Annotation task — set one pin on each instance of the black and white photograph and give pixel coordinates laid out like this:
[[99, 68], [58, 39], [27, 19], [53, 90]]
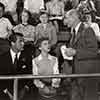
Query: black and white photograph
[[49, 49]]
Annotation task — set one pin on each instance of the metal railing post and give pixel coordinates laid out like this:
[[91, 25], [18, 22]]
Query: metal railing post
[[15, 89]]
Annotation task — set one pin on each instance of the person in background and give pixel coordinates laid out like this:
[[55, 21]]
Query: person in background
[[10, 9], [34, 6], [55, 9], [19, 9], [5, 30], [94, 25], [45, 64], [27, 30], [46, 29]]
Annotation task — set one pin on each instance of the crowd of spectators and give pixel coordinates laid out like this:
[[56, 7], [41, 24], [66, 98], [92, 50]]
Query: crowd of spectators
[[40, 19]]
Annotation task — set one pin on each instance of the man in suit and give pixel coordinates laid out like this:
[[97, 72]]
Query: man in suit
[[84, 49], [15, 62]]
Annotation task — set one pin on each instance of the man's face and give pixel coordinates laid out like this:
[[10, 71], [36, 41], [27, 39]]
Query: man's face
[[45, 46], [1, 12], [44, 18], [19, 44], [69, 20]]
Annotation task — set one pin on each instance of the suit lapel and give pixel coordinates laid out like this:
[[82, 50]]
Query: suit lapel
[[79, 33]]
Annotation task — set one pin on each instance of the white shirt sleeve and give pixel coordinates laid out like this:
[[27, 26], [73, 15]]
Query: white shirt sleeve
[[55, 81], [37, 82]]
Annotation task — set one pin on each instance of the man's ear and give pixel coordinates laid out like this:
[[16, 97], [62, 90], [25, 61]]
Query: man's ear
[[12, 43], [39, 48]]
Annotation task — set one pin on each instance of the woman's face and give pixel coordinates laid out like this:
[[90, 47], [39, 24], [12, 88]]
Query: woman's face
[[44, 18], [25, 17]]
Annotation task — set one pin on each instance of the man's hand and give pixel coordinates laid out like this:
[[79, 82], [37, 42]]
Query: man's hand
[[70, 52], [44, 90]]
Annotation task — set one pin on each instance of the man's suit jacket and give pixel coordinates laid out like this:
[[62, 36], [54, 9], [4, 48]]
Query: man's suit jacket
[[86, 59], [8, 68]]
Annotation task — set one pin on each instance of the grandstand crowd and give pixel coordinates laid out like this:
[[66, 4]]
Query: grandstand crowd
[[48, 37]]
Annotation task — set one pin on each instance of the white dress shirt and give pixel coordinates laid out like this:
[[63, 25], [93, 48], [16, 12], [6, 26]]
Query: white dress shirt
[[77, 27], [13, 55]]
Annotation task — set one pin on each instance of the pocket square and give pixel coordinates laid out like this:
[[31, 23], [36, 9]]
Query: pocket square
[[24, 66]]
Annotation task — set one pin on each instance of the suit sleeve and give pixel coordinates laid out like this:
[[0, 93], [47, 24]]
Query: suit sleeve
[[53, 36], [89, 50]]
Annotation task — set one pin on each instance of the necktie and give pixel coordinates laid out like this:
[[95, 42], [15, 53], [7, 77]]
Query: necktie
[[16, 61], [73, 37]]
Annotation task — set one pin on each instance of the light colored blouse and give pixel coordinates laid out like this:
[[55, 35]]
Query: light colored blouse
[[47, 31], [55, 8], [43, 66], [5, 27], [34, 6], [27, 30]]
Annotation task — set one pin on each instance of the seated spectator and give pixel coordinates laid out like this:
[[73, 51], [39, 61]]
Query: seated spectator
[[19, 9], [55, 8], [46, 29], [27, 30], [10, 10], [34, 6], [68, 5], [5, 30], [11, 6], [94, 25], [45, 64]]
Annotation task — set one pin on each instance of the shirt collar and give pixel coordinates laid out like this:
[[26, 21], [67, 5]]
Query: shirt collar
[[77, 27], [40, 57], [13, 54]]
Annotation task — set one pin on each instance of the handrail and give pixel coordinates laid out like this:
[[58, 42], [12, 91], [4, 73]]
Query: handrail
[[17, 77], [4, 77]]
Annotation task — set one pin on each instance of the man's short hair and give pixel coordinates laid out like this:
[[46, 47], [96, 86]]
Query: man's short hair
[[39, 42], [73, 12], [2, 5], [13, 36]]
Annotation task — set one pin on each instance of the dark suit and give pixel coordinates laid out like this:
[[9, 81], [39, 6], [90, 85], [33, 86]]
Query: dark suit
[[8, 68], [86, 60], [86, 46]]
